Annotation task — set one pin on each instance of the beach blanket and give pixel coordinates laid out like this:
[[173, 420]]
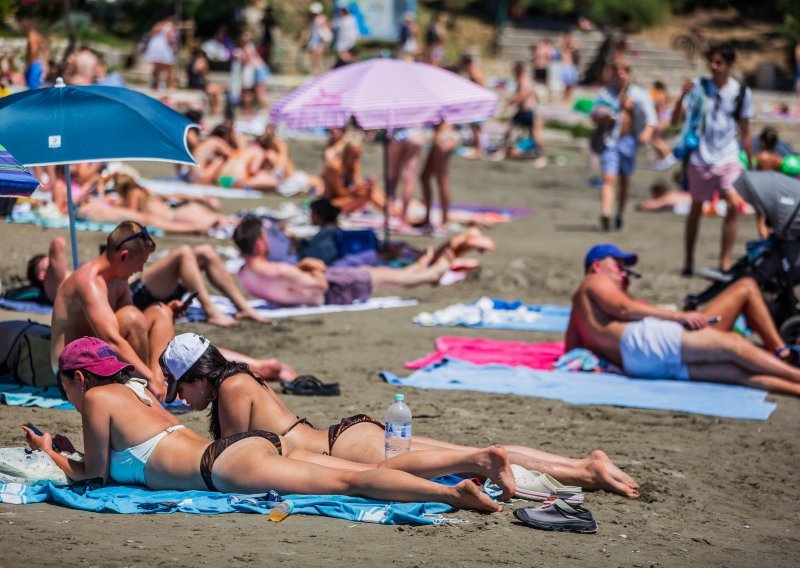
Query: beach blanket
[[488, 313], [173, 186], [16, 394], [62, 222], [25, 306], [727, 401], [485, 351], [139, 500], [196, 313]]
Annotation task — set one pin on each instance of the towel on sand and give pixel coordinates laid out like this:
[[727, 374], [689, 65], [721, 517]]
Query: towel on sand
[[485, 351], [488, 313], [727, 401], [129, 500]]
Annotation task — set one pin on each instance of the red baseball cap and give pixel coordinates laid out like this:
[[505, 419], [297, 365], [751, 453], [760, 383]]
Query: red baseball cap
[[92, 354]]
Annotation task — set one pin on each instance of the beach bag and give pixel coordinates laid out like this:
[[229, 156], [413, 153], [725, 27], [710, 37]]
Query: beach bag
[[29, 359]]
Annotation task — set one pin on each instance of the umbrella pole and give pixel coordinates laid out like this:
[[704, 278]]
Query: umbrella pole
[[389, 193], [71, 206]]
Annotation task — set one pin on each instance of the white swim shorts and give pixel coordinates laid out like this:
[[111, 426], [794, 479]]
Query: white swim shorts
[[651, 348]]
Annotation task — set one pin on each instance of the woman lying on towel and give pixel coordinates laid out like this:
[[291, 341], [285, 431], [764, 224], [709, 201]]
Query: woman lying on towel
[[242, 401], [132, 439]]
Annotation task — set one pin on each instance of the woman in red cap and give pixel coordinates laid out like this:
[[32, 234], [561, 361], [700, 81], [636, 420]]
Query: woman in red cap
[[131, 438]]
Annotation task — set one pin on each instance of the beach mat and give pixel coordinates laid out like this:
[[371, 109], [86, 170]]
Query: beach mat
[[727, 401], [493, 313], [174, 186], [29, 218], [196, 313], [481, 351], [139, 500], [25, 306]]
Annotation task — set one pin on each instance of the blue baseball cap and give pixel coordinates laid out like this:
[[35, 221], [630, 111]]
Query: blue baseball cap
[[599, 252]]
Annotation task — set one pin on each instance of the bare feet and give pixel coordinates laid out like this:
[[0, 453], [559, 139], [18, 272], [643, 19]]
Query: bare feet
[[252, 315], [274, 370], [468, 496], [613, 470], [475, 239], [221, 320], [498, 469], [464, 264], [601, 478]]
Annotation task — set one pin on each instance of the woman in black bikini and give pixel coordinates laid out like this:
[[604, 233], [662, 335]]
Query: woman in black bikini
[[132, 439], [242, 401]]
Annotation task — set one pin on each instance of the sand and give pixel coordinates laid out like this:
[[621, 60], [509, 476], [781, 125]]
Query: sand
[[714, 491]]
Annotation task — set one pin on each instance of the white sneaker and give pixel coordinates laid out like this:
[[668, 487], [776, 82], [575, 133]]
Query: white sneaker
[[664, 164]]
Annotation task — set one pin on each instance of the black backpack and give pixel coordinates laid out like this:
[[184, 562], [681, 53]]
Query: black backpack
[[28, 361]]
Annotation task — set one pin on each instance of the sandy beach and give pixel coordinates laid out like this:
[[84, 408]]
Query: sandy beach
[[715, 492]]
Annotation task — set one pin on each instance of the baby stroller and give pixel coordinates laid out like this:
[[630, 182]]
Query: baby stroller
[[775, 262]]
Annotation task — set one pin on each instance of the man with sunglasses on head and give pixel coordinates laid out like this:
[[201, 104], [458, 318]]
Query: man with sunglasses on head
[[95, 301], [716, 106], [646, 341]]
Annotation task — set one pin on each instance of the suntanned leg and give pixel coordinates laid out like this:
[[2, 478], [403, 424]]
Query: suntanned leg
[[212, 264], [57, 270], [181, 267], [744, 297], [607, 194], [133, 326], [690, 234], [710, 346], [622, 198], [729, 227], [408, 176], [160, 331], [270, 369], [427, 190], [247, 467], [733, 374], [386, 278], [443, 180]]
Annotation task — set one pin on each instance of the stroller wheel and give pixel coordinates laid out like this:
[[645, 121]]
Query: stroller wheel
[[790, 330]]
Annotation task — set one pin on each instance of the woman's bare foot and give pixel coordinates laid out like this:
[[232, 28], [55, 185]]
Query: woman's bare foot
[[613, 470], [464, 264], [475, 239], [466, 495], [494, 460], [600, 478], [274, 370], [221, 320], [252, 315]]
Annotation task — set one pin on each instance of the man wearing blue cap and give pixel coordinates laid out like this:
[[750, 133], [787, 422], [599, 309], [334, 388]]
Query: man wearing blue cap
[[651, 342]]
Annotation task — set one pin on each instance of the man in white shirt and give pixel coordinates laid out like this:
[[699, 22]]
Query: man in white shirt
[[346, 31], [721, 104]]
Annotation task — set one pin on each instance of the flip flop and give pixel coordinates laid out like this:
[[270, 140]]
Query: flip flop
[[535, 486], [309, 385], [558, 516]]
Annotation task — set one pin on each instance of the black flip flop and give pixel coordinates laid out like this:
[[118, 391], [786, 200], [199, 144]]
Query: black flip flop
[[309, 385]]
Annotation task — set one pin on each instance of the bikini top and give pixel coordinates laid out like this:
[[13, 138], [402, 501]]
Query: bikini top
[[128, 465]]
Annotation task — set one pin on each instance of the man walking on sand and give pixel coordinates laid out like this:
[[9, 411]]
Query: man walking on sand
[[721, 104]]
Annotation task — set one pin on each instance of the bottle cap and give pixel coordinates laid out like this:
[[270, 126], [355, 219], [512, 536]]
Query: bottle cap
[[399, 397]]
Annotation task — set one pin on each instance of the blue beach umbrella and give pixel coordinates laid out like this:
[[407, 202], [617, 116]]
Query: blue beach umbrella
[[15, 179], [69, 125]]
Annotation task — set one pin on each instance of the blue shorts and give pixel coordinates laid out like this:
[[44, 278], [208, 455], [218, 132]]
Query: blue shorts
[[33, 75], [569, 75], [620, 159]]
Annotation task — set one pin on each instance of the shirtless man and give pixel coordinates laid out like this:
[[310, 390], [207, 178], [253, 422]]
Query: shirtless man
[[474, 74], [311, 283], [344, 185], [541, 55], [35, 54], [647, 341], [95, 300], [525, 100]]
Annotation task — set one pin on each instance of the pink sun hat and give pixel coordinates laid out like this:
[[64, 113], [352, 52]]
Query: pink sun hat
[[92, 354]]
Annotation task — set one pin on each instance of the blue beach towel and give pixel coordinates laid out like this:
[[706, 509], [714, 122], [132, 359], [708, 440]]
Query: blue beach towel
[[727, 401], [138, 500], [493, 313], [29, 218]]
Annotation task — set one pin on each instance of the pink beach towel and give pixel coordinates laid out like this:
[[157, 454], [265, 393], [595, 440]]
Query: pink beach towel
[[486, 351]]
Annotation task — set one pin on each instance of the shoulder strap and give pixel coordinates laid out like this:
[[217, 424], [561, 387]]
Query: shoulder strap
[[739, 107]]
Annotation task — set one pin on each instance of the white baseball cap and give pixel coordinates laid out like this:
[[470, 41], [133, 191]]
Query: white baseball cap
[[316, 8], [178, 357]]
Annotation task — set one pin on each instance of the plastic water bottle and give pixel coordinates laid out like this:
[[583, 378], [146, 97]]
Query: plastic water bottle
[[398, 428], [281, 511]]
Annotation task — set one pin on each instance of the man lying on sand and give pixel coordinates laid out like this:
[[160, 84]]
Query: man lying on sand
[[165, 280], [96, 300], [647, 341], [311, 283]]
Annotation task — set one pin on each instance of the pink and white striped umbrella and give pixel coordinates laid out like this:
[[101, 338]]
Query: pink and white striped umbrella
[[385, 93]]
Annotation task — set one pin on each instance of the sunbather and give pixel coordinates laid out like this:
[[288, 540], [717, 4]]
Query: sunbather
[[310, 282], [131, 439], [242, 401], [165, 280], [344, 184], [647, 341]]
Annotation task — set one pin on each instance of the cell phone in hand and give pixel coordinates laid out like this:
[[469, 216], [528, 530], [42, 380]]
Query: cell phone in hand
[[187, 301], [38, 432], [713, 320]]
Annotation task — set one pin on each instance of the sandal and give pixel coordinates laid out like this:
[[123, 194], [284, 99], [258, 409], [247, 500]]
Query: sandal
[[309, 385], [558, 516]]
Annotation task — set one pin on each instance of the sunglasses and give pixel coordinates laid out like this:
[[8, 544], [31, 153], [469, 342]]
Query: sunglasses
[[143, 234]]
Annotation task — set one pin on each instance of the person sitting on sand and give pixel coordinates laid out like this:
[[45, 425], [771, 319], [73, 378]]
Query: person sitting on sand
[[344, 185], [323, 245], [241, 400], [247, 167], [279, 162], [647, 341], [96, 300], [121, 418], [525, 100], [767, 158], [310, 282]]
